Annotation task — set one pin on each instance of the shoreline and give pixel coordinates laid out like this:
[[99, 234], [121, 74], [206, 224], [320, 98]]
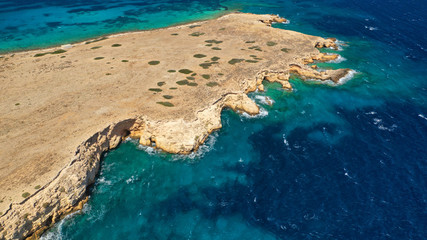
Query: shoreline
[[108, 35], [181, 131]]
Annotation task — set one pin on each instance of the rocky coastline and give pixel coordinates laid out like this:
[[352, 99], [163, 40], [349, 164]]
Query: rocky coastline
[[66, 192]]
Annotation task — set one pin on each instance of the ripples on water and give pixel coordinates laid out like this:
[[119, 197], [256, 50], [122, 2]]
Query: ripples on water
[[343, 162]]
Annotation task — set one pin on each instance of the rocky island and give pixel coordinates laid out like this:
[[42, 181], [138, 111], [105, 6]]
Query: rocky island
[[61, 108]]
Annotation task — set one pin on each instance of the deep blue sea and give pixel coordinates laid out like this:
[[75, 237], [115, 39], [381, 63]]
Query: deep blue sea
[[324, 162]]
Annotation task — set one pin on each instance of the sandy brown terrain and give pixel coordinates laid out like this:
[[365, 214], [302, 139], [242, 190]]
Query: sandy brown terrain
[[61, 110]]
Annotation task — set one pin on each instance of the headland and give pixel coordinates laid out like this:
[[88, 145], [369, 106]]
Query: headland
[[61, 108]]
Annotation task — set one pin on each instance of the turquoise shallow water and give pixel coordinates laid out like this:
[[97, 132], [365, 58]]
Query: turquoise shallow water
[[324, 162]]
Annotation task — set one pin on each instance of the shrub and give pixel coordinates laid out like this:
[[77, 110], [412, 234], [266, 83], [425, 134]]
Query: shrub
[[125, 60], [190, 78], [98, 58], [212, 84], [160, 84], [26, 194], [192, 84], [235, 60], [250, 42], [182, 82], [285, 50], [166, 104], [206, 76], [196, 34], [251, 61], [167, 96], [185, 71], [214, 59], [116, 45], [173, 88], [153, 62], [96, 47], [199, 55], [155, 89], [216, 48], [58, 51], [171, 71], [174, 34], [193, 26], [270, 44], [37, 187]]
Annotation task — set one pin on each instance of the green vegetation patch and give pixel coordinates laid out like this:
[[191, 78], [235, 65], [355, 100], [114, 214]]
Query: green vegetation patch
[[153, 62], [206, 76], [193, 26], [96, 47], [285, 50], [270, 44], [257, 48], [206, 65], [251, 61], [98, 58], [59, 51], [235, 60], [116, 45], [209, 45], [160, 84], [254, 56], [212, 84], [185, 71], [155, 89], [250, 42], [166, 104], [216, 48], [171, 71], [214, 59], [96, 40], [173, 88], [174, 34], [190, 78], [182, 82], [192, 84], [222, 29], [26, 194], [196, 34], [37, 187], [194, 74], [199, 55], [220, 74], [167, 96], [213, 41], [125, 60]]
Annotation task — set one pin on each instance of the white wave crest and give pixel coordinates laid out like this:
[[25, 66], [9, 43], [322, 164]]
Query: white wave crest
[[338, 60], [422, 116], [262, 113], [204, 148], [264, 100], [341, 81]]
